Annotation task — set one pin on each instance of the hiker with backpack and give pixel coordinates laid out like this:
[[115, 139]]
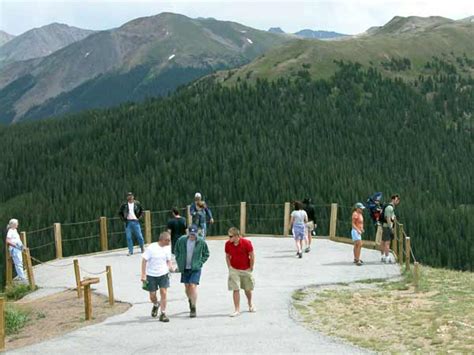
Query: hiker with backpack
[[388, 221], [357, 230]]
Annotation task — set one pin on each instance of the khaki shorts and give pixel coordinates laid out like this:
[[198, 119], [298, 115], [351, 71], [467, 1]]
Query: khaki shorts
[[310, 226], [240, 279], [378, 235]]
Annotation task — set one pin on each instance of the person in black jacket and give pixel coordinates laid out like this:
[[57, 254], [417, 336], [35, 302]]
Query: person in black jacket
[[130, 212]]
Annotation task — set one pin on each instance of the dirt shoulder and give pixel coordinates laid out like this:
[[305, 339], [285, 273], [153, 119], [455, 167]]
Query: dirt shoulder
[[394, 317], [54, 315]]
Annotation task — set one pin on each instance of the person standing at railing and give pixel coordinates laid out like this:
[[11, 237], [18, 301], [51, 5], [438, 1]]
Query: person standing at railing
[[311, 225], [201, 214], [15, 247], [389, 217], [298, 221], [357, 230], [130, 212], [176, 227]]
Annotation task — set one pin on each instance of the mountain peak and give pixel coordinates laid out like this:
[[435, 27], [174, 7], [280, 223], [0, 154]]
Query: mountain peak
[[410, 24], [5, 37], [275, 30]]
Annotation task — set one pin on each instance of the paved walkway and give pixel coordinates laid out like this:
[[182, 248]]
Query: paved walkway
[[270, 330]]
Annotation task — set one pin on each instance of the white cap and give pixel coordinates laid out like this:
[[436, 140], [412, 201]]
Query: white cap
[[197, 195]]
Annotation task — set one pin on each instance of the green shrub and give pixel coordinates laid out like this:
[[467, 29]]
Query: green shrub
[[15, 319], [17, 291]]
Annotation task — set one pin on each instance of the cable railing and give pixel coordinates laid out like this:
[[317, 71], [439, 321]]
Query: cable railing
[[108, 233]]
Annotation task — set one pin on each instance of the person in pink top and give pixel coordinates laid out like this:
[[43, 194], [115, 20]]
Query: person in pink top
[[240, 259], [357, 230]]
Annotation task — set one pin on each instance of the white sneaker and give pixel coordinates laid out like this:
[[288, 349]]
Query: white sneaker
[[389, 259]]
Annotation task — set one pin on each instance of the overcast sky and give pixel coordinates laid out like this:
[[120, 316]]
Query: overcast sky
[[344, 16]]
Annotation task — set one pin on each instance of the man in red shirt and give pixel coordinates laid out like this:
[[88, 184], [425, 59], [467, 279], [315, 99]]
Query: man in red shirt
[[240, 260]]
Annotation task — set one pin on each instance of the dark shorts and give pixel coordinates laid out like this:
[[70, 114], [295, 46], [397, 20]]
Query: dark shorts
[[156, 282], [191, 277], [387, 234]]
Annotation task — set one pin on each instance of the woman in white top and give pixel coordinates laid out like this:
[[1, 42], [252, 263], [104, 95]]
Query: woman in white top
[[298, 221], [15, 246]]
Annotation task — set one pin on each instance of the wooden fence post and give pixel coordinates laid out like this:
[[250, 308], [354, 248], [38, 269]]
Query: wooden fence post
[[333, 222], [2, 324], [29, 268], [110, 286], [58, 240], [147, 227], [23, 239], [88, 296], [189, 218], [407, 253], [394, 245], [243, 217], [400, 243], [104, 242], [416, 275], [8, 266], [77, 273], [286, 221]]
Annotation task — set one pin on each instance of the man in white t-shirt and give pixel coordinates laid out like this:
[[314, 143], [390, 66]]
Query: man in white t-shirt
[[156, 265]]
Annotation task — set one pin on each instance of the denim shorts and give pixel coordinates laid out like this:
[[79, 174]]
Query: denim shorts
[[355, 235], [156, 282], [190, 277]]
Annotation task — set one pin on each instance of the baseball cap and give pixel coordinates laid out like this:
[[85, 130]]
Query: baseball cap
[[193, 230], [129, 193], [359, 205], [197, 195]]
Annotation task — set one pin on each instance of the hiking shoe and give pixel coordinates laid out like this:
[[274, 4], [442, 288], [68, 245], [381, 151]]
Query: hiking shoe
[[142, 249], [154, 310], [307, 250], [300, 255], [164, 318], [192, 313], [359, 263], [128, 254]]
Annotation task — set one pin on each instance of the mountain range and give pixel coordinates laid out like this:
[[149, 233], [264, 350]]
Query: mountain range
[[401, 48], [152, 56], [307, 33], [148, 56], [40, 42]]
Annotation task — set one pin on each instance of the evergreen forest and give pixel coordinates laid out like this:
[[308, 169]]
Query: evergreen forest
[[335, 140]]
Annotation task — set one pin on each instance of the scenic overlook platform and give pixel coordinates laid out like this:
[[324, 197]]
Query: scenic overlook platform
[[272, 329]]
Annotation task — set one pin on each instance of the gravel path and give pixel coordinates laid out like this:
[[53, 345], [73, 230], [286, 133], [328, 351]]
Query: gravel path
[[270, 330]]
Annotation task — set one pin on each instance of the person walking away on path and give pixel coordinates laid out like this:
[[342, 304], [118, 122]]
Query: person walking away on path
[[199, 218], [130, 212], [240, 259], [207, 211], [176, 227], [387, 227], [357, 230], [156, 265], [311, 225], [191, 253], [15, 247], [298, 221]]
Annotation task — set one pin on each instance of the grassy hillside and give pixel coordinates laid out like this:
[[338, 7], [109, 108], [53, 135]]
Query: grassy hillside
[[443, 38]]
